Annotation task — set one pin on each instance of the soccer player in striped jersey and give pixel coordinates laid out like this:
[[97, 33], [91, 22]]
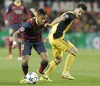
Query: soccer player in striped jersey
[[32, 38], [56, 38], [16, 11]]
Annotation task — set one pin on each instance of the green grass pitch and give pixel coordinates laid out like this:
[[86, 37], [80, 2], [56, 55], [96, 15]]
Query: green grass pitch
[[85, 69]]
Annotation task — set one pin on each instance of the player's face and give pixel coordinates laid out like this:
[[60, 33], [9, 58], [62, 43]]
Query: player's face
[[41, 19], [79, 12]]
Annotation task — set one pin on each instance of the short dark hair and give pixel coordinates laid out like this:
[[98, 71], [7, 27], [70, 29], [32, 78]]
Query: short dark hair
[[41, 12], [82, 5]]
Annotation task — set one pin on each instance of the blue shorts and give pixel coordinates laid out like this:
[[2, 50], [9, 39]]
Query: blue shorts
[[27, 46], [13, 28]]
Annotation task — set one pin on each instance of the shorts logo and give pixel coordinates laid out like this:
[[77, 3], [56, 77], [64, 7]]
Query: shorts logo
[[22, 29]]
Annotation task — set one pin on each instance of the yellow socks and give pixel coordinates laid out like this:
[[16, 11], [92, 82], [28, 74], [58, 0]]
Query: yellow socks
[[51, 67], [54, 63], [69, 61]]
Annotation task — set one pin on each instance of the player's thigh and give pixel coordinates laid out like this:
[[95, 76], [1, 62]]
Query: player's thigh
[[64, 45], [26, 48], [58, 53], [25, 58], [39, 47], [44, 55]]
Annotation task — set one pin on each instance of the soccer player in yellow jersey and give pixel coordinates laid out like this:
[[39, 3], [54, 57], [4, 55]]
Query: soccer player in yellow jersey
[[56, 38]]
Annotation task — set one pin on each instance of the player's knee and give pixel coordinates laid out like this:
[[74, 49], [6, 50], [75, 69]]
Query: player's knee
[[58, 60], [25, 59], [74, 50], [44, 57]]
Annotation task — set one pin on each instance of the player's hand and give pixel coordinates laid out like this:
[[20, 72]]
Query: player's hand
[[47, 25], [6, 22], [14, 45], [46, 40]]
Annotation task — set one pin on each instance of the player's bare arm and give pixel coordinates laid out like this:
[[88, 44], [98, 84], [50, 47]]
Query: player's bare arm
[[15, 38], [47, 25], [57, 20]]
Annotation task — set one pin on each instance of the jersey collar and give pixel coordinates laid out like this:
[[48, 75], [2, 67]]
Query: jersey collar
[[36, 20], [17, 4]]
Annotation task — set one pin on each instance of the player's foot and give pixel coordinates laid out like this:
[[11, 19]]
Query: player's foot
[[19, 58], [23, 80], [41, 73], [45, 78], [9, 57], [67, 76]]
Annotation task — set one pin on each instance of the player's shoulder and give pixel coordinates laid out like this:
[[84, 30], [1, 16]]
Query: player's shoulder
[[31, 20], [69, 15]]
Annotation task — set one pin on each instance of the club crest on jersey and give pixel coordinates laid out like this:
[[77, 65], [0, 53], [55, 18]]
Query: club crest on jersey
[[22, 29], [66, 16]]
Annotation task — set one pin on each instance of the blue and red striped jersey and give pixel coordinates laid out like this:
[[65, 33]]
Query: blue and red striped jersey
[[16, 13], [31, 31]]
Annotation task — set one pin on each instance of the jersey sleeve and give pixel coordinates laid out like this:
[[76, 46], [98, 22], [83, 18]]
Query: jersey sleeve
[[69, 17], [26, 26]]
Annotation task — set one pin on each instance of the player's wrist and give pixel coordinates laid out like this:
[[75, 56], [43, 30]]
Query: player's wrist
[[51, 25]]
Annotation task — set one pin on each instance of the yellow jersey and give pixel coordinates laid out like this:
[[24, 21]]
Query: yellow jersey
[[59, 29]]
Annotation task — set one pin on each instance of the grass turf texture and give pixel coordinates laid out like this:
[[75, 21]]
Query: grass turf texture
[[85, 69]]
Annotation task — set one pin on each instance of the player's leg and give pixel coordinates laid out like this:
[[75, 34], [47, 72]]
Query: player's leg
[[69, 60], [19, 49], [52, 64], [10, 49], [41, 50], [16, 27], [26, 51], [67, 46], [44, 62], [58, 58], [10, 44], [25, 60]]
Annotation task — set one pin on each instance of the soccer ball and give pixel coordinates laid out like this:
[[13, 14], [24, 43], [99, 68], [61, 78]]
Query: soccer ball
[[31, 78]]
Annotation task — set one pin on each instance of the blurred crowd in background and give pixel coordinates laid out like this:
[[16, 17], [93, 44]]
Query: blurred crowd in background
[[89, 23]]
